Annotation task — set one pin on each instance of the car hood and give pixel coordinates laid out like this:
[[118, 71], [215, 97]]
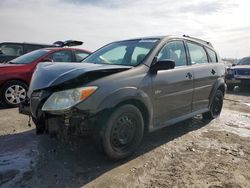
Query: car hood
[[53, 74], [240, 67], [7, 65]]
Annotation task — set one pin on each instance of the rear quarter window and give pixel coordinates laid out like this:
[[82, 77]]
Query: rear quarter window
[[212, 55]]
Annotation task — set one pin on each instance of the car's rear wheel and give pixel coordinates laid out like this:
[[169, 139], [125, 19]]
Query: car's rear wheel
[[122, 132], [12, 93], [216, 106]]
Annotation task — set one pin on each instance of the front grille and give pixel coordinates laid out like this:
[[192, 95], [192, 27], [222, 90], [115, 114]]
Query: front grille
[[243, 72]]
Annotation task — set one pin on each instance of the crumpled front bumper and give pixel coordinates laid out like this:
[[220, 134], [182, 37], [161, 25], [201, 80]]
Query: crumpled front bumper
[[24, 108], [37, 99], [73, 121]]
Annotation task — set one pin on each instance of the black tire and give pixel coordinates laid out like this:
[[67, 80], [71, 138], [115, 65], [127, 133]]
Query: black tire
[[216, 106], [40, 125], [230, 87], [20, 93], [122, 132]]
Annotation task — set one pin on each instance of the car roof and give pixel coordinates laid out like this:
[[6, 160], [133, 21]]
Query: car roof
[[64, 48], [143, 38], [186, 37]]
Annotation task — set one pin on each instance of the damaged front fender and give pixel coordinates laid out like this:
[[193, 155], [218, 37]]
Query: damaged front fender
[[48, 75]]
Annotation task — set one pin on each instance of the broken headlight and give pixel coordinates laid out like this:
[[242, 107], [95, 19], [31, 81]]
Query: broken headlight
[[63, 100]]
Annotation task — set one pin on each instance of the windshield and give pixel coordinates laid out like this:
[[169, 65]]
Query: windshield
[[128, 53], [29, 57], [244, 61]]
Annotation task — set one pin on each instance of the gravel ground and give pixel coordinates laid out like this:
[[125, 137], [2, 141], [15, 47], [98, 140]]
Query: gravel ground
[[193, 153]]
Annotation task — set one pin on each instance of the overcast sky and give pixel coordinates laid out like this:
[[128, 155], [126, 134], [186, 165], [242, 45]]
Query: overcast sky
[[225, 23]]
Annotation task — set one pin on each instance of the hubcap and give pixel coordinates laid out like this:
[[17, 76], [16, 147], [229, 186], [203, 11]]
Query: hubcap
[[123, 132], [15, 94]]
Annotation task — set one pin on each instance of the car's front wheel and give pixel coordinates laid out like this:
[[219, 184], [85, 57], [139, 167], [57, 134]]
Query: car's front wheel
[[216, 106], [12, 93], [122, 132]]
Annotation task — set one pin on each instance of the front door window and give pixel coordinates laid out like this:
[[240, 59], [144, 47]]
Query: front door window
[[175, 51]]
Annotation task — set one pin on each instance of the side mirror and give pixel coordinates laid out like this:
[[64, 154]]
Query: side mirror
[[164, 64], [233, 64], [46, 60]]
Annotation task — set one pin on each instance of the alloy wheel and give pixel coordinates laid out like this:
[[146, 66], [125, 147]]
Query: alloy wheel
[[15, 94]]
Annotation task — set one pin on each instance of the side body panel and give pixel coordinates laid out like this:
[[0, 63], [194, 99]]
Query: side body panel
[[204, 78], [172, 94]]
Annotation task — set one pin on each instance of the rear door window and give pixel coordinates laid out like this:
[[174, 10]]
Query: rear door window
[[197, 53]]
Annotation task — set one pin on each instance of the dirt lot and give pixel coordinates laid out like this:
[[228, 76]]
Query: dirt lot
[[193, 153]]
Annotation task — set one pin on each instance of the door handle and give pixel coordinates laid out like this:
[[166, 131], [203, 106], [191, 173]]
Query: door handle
[[189, 75], [213, 72]]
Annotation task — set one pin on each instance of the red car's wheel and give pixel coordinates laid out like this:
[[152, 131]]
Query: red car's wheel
[[13, 92]]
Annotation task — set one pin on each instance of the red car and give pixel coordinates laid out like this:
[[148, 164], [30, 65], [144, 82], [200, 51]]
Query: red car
[[15, 75]]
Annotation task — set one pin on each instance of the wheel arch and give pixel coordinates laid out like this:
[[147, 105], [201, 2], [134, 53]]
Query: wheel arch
[[141, 106], [222, 88], [131, 96], [219, 85], [18, 79]]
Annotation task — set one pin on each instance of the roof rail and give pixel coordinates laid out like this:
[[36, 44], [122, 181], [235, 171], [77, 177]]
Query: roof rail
[[200, 40]]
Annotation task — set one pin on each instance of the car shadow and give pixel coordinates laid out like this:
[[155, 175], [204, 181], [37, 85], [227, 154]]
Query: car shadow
[[3, 107], [79, 162]]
